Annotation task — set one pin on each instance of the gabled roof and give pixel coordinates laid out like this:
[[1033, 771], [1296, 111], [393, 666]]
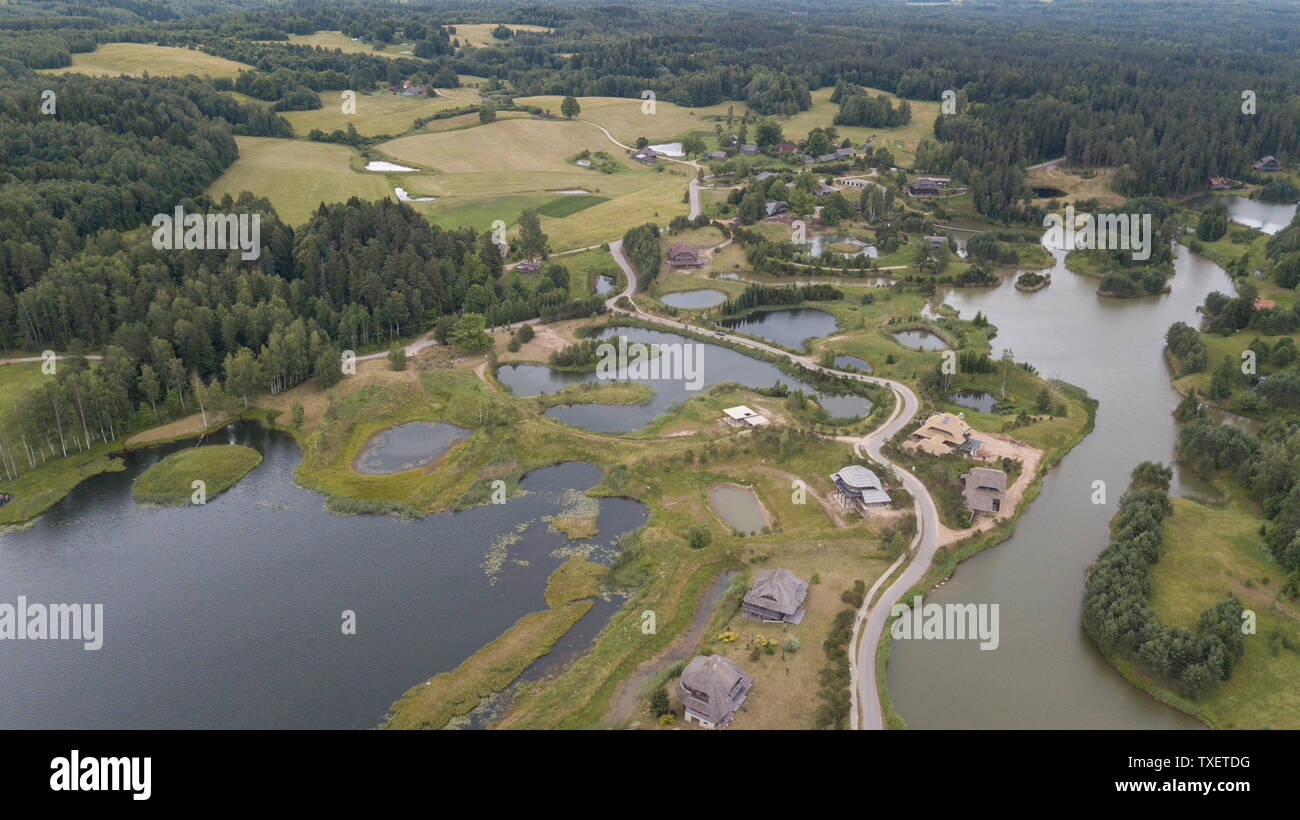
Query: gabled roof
[[944, 427], [681, 247], [779, 590]]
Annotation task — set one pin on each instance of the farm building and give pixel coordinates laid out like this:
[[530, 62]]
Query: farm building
[[715, 155], [925, 186], [858, 489], [984, 489], [646, 155], [528, 266], [749, 149], [711, 689], [775, 595]]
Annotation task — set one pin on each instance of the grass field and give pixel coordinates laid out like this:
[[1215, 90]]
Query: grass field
[[624, 118], [344, 43], [496, 170], [1209, 552], [377, 114], [218, 466], [480, 34], [134, 59], [297, 176]]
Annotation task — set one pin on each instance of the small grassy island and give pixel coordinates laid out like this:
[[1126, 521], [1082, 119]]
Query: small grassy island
[[171, 480]]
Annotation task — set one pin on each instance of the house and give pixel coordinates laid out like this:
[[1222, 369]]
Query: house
[[764, 175], [823, 189], [749, 149], [786, 147], [742, 416], [1267, 164], [776, 595], [945, 433], [1261, 303], [776, 206], [682, 255], [711, 689], [528, 266], [858, 489], [925, 186], [936, 241], [715, 155], [984, 489], [646, 155], [827, 158], [845, 153], [1218, 184]]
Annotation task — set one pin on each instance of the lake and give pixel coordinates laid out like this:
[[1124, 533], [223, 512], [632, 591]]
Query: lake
[[1046, 673], [1269, 217], [719, 364], [228, 615]]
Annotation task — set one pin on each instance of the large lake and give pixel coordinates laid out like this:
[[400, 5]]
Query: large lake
[[229, 615]]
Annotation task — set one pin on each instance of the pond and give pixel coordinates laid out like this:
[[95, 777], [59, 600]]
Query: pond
[[738, 507], [718, 364], [1269, 217], [846, 362], [821, 243], [785, 326], [604, 283], [228, 615], [407, 446], [920, 340], [704, 298], [980, 400]]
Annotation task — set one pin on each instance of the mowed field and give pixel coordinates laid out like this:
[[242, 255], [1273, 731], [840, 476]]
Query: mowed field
[[625, 120], [134, 59], [480, 34], [376, 114], [344, 43], [297, 176], [494, 171]]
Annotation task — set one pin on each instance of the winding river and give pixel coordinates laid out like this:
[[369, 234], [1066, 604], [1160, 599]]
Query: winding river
[[1046, 672]]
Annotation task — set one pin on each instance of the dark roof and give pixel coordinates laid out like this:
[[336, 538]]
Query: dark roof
[[749, 149], [681, 247], [713, 686], [777, 590], [983, 486]]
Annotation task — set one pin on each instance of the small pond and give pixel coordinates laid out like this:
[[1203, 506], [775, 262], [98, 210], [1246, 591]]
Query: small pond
[[694, 298], [604, 284], [920, 340], [847, 362], [820, 244], [787, 326], [980, 400], [407, 446], [739, 507]]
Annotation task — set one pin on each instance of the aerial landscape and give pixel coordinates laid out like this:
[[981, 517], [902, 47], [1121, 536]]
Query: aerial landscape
[[651, 365]]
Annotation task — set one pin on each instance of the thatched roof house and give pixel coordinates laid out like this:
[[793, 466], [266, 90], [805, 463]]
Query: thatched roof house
[[711, 689], [944, 428], [776, 595], [985, 489]]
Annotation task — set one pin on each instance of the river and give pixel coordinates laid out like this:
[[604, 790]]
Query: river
[[1046, 672], [229, 615]]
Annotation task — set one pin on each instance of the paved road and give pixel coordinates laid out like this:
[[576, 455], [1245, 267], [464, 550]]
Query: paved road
[[865, 710]]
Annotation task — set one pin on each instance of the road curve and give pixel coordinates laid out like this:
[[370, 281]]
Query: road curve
[[869, 625]]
